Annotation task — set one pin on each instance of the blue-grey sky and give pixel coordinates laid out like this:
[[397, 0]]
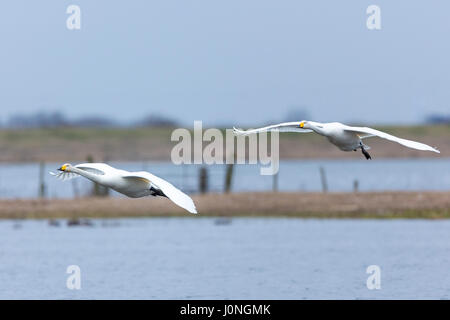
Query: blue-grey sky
[[235, 62]]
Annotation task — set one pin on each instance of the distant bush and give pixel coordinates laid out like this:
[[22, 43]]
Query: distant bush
[[155, 120], [93, 122], [438, 119], [56, 119], [38, 120]]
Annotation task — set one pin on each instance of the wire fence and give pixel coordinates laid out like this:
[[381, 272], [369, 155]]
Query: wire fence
[[31, 180]]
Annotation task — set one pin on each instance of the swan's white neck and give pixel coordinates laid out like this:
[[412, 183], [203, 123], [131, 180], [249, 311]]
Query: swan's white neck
[[317, 127], [88, 175]]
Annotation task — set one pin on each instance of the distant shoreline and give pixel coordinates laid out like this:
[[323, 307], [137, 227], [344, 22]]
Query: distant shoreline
[[363, 205], [75, 144]]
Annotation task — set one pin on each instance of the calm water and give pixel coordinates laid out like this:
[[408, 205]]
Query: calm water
[[249, 258], [21, 180]]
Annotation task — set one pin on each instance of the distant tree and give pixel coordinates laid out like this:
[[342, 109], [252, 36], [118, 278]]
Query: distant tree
[[155, 120], [55, 119], [93, 121], [438, 119], [40, 119]]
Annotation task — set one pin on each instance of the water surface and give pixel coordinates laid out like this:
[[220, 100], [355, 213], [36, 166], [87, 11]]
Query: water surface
[[245, 258]]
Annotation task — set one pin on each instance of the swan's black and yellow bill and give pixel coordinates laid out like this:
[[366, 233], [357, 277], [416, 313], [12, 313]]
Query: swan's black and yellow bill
[[301, 125], [63, 168]]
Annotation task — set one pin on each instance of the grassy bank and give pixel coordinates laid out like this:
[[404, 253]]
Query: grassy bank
[[145, 144], [379, 205]]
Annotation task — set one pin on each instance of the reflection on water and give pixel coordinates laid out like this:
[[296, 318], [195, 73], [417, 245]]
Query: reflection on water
[[21, 180], [245, 258]]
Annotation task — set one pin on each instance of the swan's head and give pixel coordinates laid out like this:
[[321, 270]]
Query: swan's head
[[315, 126], [65, 167], [304, 125]]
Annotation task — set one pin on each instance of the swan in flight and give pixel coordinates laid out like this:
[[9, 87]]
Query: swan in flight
[[345, 137], [132, 184]]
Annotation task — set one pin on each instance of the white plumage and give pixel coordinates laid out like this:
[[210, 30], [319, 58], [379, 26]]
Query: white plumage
[[132, 184], [345, 137]]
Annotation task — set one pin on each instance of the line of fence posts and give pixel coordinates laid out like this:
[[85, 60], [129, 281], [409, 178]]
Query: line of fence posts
[[323, 179], [101, 191], [203, 179]]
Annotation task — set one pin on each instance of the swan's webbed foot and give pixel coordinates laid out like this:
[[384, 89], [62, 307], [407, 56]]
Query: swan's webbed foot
[[366, 154], [157, 192]]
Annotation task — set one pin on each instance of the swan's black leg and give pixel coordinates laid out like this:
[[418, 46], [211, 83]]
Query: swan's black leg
[[156, 192], [365, 153]]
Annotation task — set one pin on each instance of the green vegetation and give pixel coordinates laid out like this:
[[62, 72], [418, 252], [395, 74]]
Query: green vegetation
[[364, 205], [83, 134], [107, 214], [154, 143]]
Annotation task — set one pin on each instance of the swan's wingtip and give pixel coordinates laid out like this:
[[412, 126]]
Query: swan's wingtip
[[434, 149], [238, 131]]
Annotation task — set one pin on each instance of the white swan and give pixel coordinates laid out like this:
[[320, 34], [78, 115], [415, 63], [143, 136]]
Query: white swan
[[345, 137], [132, 184]]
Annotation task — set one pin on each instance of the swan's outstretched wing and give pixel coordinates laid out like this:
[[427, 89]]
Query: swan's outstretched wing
[[281, 127], [63, 175], [369, 132], [95, 168], [178, 197]]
